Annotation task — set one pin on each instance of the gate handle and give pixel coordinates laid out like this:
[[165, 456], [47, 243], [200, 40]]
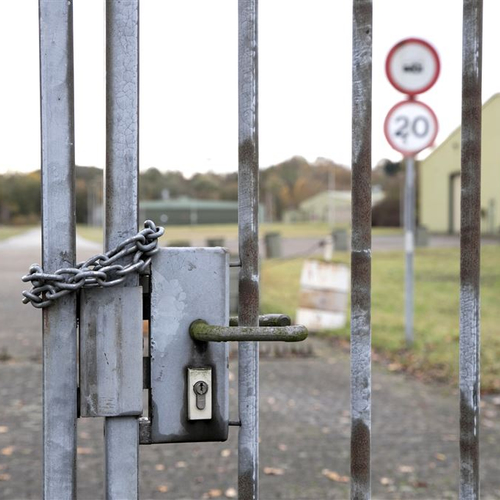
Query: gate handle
[[272, 327], [267, 320]]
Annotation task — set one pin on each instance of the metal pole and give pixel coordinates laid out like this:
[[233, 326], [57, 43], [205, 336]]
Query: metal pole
[[58, 247], [470, 245], [248, 237], [409, 215], [361, 251], [122, 172]]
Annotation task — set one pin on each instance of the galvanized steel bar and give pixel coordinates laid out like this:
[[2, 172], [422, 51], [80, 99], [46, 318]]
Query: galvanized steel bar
[[122, 121], [470, 245], [122, 171], [361, 251], [248, 236], [409, 216], [58, 247]]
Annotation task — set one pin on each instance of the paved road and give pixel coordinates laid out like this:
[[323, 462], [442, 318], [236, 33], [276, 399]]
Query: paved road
[[304, 425]]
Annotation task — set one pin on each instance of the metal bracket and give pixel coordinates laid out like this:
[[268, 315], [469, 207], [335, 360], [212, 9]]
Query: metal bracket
[[111, 352]]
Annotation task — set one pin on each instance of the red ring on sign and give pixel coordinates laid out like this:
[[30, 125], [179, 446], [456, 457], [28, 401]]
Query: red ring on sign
[[434, 54], [404, 152]]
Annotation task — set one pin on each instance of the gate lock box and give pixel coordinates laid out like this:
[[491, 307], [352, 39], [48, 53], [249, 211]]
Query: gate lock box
[[187, 371], [186, 284], [189, 355]]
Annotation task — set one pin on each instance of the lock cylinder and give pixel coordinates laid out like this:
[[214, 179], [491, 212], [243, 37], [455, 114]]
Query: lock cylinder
[[199, 388]]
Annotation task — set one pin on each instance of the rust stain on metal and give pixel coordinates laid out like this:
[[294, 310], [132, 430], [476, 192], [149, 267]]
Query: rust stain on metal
[[360, 441]]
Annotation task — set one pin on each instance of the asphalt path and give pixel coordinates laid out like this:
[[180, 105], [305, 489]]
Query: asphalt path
[[304, 428]]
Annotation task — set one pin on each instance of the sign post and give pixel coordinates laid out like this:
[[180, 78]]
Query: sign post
[[411, 126]]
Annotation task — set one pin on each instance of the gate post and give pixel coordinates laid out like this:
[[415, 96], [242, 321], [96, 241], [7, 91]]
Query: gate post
[[122, 172], [248, 236], [361, 251], [58, 247], [470, 249]]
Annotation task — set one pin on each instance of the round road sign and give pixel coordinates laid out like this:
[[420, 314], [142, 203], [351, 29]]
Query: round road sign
[[410, 127], [412, 66]]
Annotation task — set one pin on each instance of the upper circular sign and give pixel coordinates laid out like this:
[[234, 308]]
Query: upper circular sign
[[412, 66], [410, 127]]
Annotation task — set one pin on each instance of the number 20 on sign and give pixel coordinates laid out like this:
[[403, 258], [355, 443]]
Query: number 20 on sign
[[410, 127]]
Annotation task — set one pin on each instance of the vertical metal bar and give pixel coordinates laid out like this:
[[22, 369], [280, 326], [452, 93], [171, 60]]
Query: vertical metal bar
[[248, 236], [470, 245], [361, 251], [409, 215], [122, 172], [58, 247]]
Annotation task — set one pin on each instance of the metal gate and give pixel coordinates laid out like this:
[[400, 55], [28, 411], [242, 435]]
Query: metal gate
[[124, 430]]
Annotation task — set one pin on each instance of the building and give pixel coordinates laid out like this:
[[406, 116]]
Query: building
[[328, 206], [439, 178], [184, 211]]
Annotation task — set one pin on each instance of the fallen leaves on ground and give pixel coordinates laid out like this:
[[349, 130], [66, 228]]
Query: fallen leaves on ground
[[419, 484], [386, 481], [3, 429], [159, 467], [406, 469], [335, 476], [5, 477], [163, 488], [83, 451], [273, 471], [181, 465], [225, 453], [214, 493], [394, 367], [440, 456], [7, 451], [231, 493]]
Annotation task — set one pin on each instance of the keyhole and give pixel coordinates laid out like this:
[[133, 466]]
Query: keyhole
[[200, 389]]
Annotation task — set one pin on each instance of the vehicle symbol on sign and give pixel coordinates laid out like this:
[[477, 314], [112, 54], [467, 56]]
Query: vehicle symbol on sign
[[415, 67]]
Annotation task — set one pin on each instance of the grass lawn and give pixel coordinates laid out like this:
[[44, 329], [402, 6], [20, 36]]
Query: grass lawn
[[230, 231], [435, 353], [9, 231]]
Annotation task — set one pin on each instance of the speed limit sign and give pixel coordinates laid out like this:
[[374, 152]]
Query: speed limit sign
[[410, 127]]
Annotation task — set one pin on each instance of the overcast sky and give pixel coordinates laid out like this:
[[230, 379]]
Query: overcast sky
[[189, 78]]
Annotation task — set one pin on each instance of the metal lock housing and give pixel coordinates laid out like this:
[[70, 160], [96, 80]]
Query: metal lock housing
[[186, 284]]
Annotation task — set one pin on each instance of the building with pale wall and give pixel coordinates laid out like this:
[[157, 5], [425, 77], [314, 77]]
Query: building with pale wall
[[439, 178], [328, 206]]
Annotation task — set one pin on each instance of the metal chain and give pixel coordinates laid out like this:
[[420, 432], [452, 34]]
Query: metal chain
[[100, 270]]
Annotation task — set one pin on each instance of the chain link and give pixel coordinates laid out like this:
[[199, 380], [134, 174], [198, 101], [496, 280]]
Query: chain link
[[101, 270]]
